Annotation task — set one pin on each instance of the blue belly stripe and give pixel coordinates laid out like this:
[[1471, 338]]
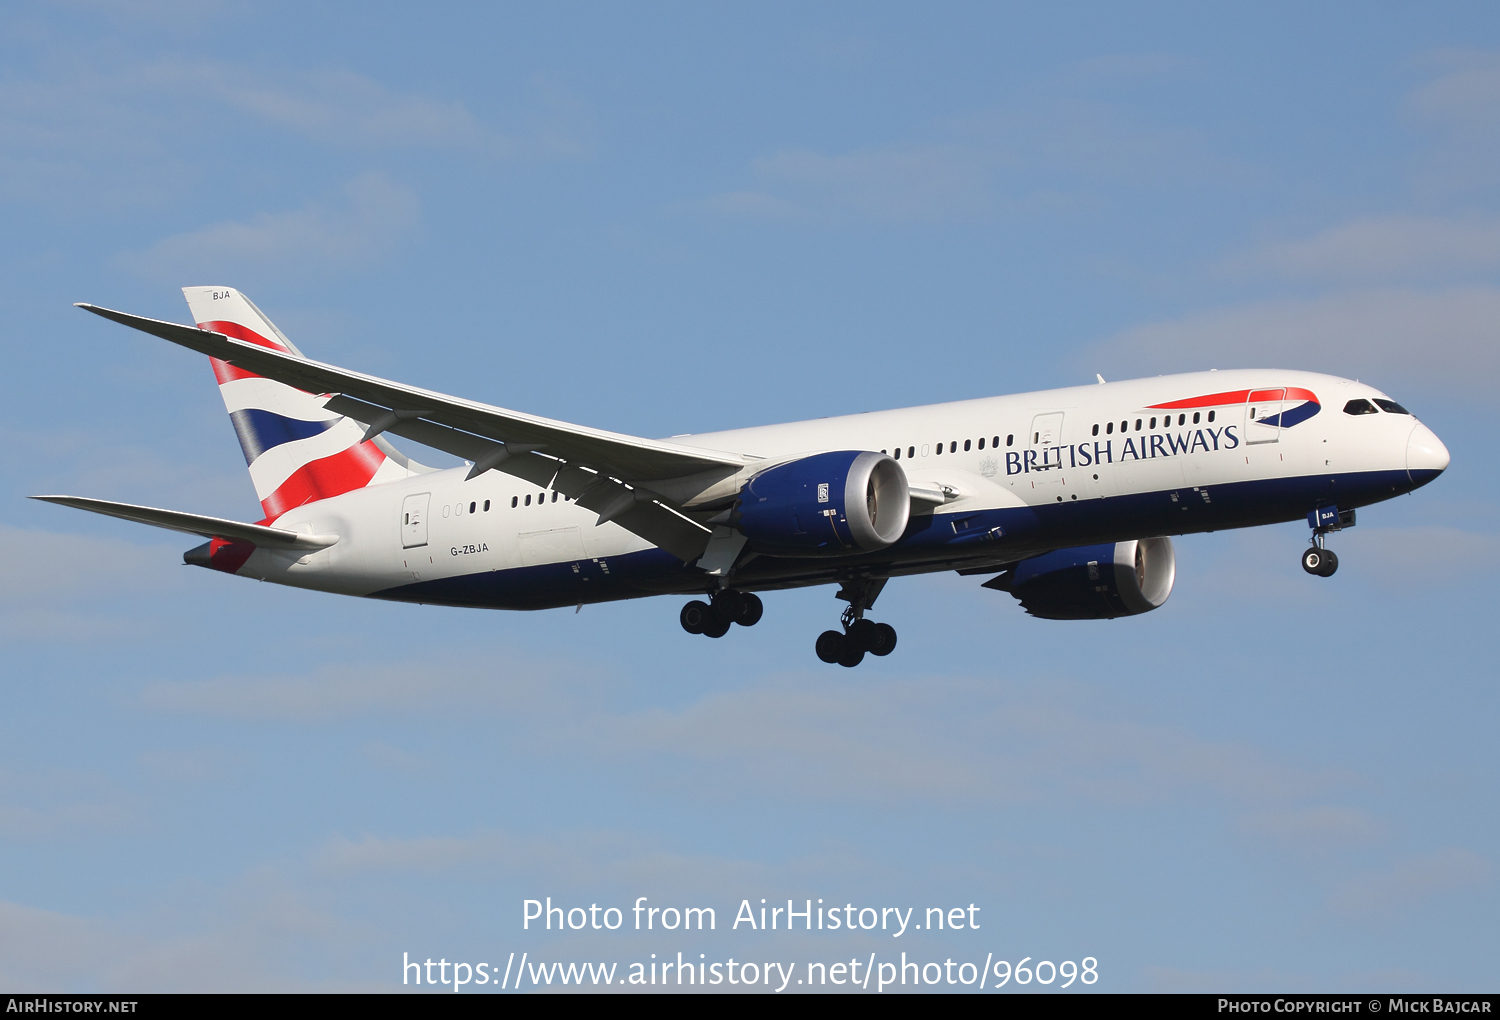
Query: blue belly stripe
[[929, 537]]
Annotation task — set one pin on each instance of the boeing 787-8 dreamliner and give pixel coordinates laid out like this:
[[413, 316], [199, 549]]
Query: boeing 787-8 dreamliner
[[1063, 498]]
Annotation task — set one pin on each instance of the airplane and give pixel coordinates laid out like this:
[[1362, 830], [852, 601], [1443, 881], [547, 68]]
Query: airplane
[[1064, 498]]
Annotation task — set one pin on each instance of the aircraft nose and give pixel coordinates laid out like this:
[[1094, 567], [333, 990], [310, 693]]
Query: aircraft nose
[[1426, 456]]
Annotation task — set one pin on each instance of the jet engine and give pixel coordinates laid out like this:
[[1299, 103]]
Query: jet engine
[[1093, 582], [829, 504]]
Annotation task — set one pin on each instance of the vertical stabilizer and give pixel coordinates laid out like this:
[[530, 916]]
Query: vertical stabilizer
[[297, 451]]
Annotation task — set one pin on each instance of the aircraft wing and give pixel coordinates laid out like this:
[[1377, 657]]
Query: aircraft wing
[[197, 524], [606, 472]]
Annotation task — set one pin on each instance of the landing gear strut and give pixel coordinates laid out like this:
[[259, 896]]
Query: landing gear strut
[[1318, 559], [859, 635], [728, 607]]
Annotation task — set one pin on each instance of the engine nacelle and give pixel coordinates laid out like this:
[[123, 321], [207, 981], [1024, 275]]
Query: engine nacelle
[[829, 504], [1093, 582]]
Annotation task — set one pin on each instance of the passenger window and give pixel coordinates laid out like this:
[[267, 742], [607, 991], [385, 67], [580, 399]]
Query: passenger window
[[514, 500], [1360, 406], [898, 453], [1153, 423], [1109, 428], [554, 497], [1211, 416], [939, 449], [528, 499], [1391, 406], [1096, 430], [953, 446], [966, 445], [1182, 419], [1137, 424], [406, 518], [981, 442], [486, 506], [911, 451], [1195, 417], [472, 507], [996, 442], [1010, 440], [1125, 426]]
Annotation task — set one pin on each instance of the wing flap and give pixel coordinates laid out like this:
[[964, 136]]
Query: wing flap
[[197, 524]]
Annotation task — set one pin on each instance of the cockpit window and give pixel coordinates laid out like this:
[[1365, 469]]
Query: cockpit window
[[1391, 406], [1360, 406]]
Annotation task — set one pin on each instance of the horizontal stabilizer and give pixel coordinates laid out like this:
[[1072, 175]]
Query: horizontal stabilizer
[[197, 524]]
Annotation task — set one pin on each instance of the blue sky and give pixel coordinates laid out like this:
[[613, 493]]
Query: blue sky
[[669, 218]]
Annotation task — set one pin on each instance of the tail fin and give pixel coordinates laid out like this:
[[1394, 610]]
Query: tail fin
[[297, 451]]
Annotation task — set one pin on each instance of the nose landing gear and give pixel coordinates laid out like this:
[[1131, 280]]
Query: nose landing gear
[[728, 607], [1318, 559], [859, 635]]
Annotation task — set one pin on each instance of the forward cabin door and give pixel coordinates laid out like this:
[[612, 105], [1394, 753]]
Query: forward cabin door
[[1263, 416], [414, 520], [1046, 470]]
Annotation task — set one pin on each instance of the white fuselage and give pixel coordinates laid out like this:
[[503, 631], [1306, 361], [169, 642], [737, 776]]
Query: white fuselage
[[1087, 463]]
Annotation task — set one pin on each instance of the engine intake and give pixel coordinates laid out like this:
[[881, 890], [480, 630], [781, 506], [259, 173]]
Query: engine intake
[[829, 504], [1093, 582]]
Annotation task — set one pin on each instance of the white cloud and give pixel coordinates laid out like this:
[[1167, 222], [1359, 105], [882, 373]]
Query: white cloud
[[1380, 249], [902, 739], [374, 215], [508, 682], [910, 183], [55, 582], [58, 803], [1314, 831], [249, 937], [345, 108], [1411, 883], [1461, 110], [1443, 342]]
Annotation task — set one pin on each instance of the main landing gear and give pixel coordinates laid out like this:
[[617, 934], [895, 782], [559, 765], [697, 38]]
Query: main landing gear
[[727, 608], [859, 635], [1318, 559]]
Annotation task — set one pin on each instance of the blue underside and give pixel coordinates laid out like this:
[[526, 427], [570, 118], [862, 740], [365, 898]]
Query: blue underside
[[937, 539]]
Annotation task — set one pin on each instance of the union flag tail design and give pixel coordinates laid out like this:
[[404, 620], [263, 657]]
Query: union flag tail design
[[297, 451]]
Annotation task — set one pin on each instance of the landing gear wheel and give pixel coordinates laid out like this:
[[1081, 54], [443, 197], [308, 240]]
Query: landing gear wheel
[[695, 615], [1322, 562], [717, 625], [884, 642], [862, 635], [853, 655], [752, 611], [831, 646], [739, 607]]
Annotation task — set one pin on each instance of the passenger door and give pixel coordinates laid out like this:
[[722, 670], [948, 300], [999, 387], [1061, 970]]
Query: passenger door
[[1045, 441], [1263, 416], [414, 520]]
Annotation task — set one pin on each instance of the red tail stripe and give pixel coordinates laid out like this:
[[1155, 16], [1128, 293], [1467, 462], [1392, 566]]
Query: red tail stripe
[[332, 476], [227, 555], [1236, 397], [225, 372], [239, 332]]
